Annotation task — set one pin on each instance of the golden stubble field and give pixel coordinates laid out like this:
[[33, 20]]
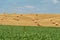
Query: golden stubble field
[[30, 19]]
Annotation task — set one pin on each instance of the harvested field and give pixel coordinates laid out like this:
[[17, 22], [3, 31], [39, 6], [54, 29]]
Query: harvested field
[[30, 19]]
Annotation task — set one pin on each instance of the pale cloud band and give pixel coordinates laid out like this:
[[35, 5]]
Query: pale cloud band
[[55, 1], [29, 7]]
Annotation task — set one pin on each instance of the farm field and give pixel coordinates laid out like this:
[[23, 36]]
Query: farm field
[[30, 19], [29, 33]]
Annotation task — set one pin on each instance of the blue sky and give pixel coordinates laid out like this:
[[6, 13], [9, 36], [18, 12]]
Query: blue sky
[[30, 6]]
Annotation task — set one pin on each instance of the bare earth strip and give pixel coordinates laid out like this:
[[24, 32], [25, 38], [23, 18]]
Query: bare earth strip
[[30, 19]]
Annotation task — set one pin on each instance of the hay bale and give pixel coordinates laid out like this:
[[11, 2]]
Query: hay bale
[[17, 16], [56, 24], [50, 19], [16, 19], [38, 24], [21, 15], [35, 22], [36, 19], [1, 19], [36, 14], [53, 22]]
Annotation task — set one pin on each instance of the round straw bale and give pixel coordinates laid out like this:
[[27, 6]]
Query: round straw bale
[[56, 24], [36, 14], [17, 16], [21, 15], [35, 22], [36, 19], [16, 19], [53, 22], [1, 19], [38, 24]]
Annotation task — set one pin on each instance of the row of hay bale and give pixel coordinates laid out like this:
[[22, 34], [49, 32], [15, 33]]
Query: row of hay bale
[[54, 22], [36, 21]]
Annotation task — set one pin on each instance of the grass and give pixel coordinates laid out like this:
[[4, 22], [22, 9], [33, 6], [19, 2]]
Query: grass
[[28, 33]]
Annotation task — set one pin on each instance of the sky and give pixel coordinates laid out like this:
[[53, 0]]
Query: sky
[[30, 6]]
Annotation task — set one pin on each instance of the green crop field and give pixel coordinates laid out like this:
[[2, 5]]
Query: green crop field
[[29, 33]]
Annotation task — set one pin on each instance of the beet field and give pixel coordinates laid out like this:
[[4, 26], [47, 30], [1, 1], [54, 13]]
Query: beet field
[[29, 33]]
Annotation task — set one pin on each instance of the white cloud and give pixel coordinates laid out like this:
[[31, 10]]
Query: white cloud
[[55, 1], [29, 7], [19, 7], [25, 7]]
